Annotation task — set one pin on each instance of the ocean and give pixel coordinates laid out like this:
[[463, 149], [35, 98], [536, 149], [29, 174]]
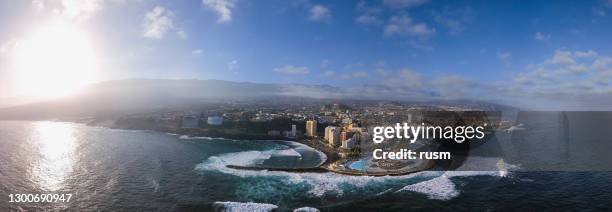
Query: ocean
[[127, 170]]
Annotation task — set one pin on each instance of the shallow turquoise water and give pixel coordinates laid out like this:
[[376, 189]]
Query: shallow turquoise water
[[357, 165]]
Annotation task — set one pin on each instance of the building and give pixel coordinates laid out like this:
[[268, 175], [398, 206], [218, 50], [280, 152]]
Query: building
[[328, 131], [347, 121], [190, 122], [274, 133], [365, 137], [311, 128], [356, 129], [333, 138], [327, 119], [356, 137], [291, 133], [345, 135], [214, 120], [348, 144]]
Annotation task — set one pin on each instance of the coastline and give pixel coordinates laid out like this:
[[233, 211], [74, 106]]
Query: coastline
[[330, 157]]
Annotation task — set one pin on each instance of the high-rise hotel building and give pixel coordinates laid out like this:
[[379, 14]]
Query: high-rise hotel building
[[311, 128]]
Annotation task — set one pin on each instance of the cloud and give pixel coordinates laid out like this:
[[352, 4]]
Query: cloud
[[354, 75], [290, 69], [316, 12], [541, 36], [599, 12], [411, 78], [38, 5], [562, 57], [8, 46], [325, 63], [582, 82], [197, 52], [566, 75], [602, 64], [76, 10], [233, 66], [382, 72], [504, 56], [182, 34], [402, 4], [363, 7], [329, 73], [360, 74], [368, 14], [404, 82], [157, 22], [223, 8], [454, 85], [79, 9], [319, 13], [586, 54], [420, 45], [368, 19], [453, 20], [403, 25]]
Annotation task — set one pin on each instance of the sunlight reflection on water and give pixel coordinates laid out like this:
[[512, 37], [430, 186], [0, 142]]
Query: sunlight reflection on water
[[56, 143]]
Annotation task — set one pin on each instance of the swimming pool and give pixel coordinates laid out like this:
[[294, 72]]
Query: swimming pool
[[357, 165]]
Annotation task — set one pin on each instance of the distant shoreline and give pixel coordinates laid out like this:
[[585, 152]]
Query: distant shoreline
[[332, 158]]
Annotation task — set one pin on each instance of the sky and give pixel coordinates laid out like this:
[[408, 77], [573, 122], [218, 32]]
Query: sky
[[540, 54]]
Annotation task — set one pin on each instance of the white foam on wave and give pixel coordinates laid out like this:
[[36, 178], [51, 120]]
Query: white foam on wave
[[440, 188], [244, 206], [384, 192], [124, 130], [306, 209], [247, 158], [250, 158], [186, 137], [321, 182], [443, 188], [286, 152], [300, 146]]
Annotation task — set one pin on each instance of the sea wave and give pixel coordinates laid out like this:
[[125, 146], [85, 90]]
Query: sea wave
[[306, 209], [300, 146], [440, 188], [243, 206], [321, 183], [286, 153], [443, 188], [330, 183], [186, 137]]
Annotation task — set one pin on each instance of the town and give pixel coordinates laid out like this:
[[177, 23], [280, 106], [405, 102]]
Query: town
[[341, 129]]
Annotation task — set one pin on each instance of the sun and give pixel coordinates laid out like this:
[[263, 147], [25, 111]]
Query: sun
[[55, 60]]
